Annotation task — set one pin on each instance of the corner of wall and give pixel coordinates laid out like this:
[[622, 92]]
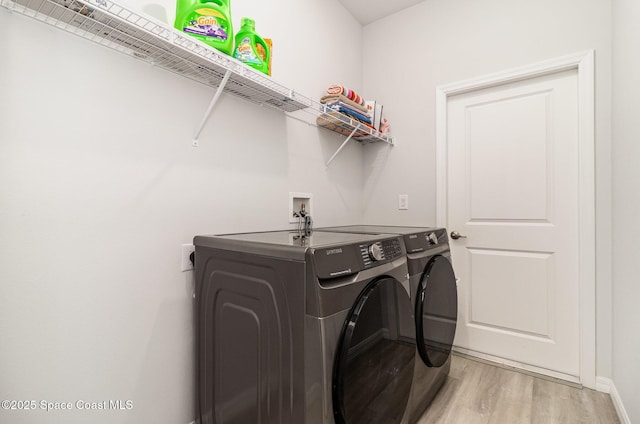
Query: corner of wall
[[606, 385]]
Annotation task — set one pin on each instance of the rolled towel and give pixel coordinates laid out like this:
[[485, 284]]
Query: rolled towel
[[348, 93], [335, 89], [385, 127]]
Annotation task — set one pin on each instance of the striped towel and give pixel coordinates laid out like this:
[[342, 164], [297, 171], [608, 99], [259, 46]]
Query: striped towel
[[348, 93]]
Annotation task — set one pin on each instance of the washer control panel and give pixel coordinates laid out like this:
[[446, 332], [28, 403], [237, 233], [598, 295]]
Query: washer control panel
[[380, 251], [343, 260]]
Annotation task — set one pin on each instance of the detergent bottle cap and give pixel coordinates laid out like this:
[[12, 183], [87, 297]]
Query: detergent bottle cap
[[249, 23]]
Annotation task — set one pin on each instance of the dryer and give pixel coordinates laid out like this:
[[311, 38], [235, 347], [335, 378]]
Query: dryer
[[434, 303], [293, 329]]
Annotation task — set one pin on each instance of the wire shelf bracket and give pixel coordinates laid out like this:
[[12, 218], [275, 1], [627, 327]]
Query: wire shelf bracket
[[344, 143], [214, 100]]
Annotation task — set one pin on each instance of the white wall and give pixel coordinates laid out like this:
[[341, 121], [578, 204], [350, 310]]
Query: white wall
[[626, 205], [99, 187], [407, 55]]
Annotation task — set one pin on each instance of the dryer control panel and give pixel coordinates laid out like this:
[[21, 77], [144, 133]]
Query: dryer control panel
[[420, 242], [345, 260]]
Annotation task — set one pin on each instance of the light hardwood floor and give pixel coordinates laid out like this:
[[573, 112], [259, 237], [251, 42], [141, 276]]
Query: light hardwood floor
[[479, 393]]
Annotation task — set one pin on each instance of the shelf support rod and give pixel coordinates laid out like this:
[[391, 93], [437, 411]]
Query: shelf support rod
[[216, 96], [343, 144]]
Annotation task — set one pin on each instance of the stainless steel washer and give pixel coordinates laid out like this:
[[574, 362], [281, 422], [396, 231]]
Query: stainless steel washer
[[295, 329]]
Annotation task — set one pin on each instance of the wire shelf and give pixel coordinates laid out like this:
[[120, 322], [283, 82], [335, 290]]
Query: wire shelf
[[114, 26], [109, 24], [343, 124]]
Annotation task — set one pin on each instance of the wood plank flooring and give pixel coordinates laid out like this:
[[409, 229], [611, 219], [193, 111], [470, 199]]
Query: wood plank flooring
[[479, 393]]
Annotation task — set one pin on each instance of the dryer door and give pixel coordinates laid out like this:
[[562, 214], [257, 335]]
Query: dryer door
[[374, 363], [436, 311]]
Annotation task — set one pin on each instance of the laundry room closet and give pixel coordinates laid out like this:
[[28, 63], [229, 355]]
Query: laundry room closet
[[101, 184]]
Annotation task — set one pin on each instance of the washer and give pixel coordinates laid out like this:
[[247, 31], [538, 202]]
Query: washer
[[312, 330], [435, 304]]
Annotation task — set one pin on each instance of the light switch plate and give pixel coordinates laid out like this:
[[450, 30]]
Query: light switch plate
[[403, 201]]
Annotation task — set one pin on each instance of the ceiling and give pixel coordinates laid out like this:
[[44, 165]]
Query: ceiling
[[367, 11]]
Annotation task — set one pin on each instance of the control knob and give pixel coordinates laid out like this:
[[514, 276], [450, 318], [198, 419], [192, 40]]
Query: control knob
[[375, 252]]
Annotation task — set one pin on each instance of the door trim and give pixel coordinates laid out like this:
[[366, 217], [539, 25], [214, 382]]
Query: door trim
[[584, 64]]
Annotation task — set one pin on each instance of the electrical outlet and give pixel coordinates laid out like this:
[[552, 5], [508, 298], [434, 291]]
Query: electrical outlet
[[403, 201], [187, 250]]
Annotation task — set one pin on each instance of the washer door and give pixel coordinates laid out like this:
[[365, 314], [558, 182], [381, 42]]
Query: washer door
[[374, 362], [436, 311]]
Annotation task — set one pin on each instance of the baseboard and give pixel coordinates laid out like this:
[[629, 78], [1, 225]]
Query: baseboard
[[520, 367], [609, 387], [603, 384]]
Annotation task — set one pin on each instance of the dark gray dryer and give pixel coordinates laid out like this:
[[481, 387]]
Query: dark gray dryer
[[295, 330], [435, 304]]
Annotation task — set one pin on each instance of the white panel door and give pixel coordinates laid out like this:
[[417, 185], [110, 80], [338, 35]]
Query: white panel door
[[513, 193]]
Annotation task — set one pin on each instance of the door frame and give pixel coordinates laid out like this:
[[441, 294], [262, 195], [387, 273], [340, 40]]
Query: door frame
[[584, 64]]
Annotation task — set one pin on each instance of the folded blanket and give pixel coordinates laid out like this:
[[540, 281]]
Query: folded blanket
[[339, 97], [348, 106], [348, 93], [339, 107]]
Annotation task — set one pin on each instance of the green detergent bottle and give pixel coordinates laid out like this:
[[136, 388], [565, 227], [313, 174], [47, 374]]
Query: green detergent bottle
[[251, 49], [208, 21]]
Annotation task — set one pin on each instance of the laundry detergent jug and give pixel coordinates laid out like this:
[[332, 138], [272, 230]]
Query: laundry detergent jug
[[208, 21], [251, 49]]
